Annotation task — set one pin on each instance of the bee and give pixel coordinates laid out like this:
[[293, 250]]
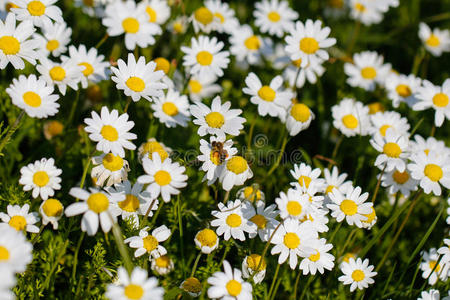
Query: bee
[[218, 154]]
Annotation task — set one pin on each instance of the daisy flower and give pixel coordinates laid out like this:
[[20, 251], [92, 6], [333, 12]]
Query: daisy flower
[[206, 240], [151, 146], [357, 273], [110, 131], [224, 19], [203, 87], [34, 96], [15, 250], [436, 41], [235, 172], [435, 97], [15, 43], [320, 260], [299, 117], [253, 267], [293, 239], [307, 42], [95, 208], [318, 219], [162, 265], [263, 217], [305, 176], [20, 219], [138, 79], [149, 243], [172, 109], [350, 206], [217, 120], [351, 117], [134, 286], [204, 57], [130, 19], [403, 88], [309, 72], [274, 17], [51, 211], [430, 263], [382, 121], [371, 219], [430, 295], [248, 47], [397, 181], [7, 282], [445, 251], [230, 221], [179, 25], [40, 12], [365, 12], [419, 144], [393, 150], [431, 170], [334, 180], [42, 177], [157, 11], [293, 205], [192, 286], [164, 178], [54, 39], [271, 99], [229, 285], [204, 20], [251, 193], [109, 167], [66, 73], [367, 70]]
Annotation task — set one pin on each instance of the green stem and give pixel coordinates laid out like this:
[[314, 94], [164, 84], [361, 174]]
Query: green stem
[[55, 264], [294, 295], [265, 250], [11, 131], [378, 185], [104, 38], [180, 225], [117, 233], [74, 108], [155, 216], [35, 238], [273, 280], [127, 105], [75, 256], [305, 288], [354, 37], [227, 195], [334, 232], [277, 162], [195, 264]]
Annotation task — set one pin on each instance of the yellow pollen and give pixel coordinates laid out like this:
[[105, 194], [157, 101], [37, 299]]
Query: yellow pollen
[[89, 3], [135, 84], [358, 275], [329, 189], [336, 3], [88, 69], [370, 216], [440, 100], [203, 15], [9, 6], [130, 204], [359, 7], [162, 64], [304, 181], [252, 43], [400, 177], [234, 220], [162, 261], [350, 121], [273, 16], [426, 151], [195, 86], [207, 237], [170, 109], [98, 202], [133, 291], [130, 25], [36, 8], [150, 243], [32, 99], [215, 157], [349, 207], [249, 194], [314, 257], [57, 73], [392, 150], [297, 62], [109, 133], [112, 162], [432, 265], [55, 128], [433, 172], [375, 107], [152, 15], [300, 112], [294, 208], [253, 262], [162, 177], [368, 73], [215, 119], [204, 58], [266, 93], [192, 285], [52, 208], [347, 257], [309, 45], [152, 147], [384, 128], [178, 27], [237, 164], [259, 220], [18, 222], [4, 253], [433, 41], [52, 45], [291, 240], [403, 90], [41, 178], [220, 16], [233, 287]]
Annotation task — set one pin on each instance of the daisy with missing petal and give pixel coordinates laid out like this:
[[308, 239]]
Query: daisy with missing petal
[[357, 273], [42, 177], [110, 131], [206, 240], [235, 172], [217, 120], [40, 12], [419, 144], [34, 96], [253, 267], [204, 57], [134, 286], [334, 180], [138, 79], [251, 193], [382, 121], [293, 204], [305, 175], [393, 150], [192, 286], [95, 208], [162, 265], [157, 11], [293, 239], [229, 285], [436, 97], [397, 181], [431, 269], [271, 99], [248, 47], [371, 219], [172, 109], [224, 18], [204, 20], [66, 73], [367, 70], [310, 72], [351, 117], [151, 146], [431, 170], [51, 211], [164, 178], [109, 167], [403, 88], [350, 206], [320, 260], [20, 219], [365, 11], [274, 17], [149, 243], [179, 25], [15, 250], [299, 117], [307, 42], [203, 87], [54, 39], [436, 41], [230, 221], [15, 43], [130, 19], [263, 217]]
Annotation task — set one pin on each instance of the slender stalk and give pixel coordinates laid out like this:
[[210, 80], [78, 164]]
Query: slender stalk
[[355, 34], [250, 135], [117, 233], [277, 162], [265, 249], [334, 232], [155, 216], [378, 185], [305, 288], [273, 280], [127, 105], [294, 295], [227, 249], [104, 38], [195, 264], [75, 256], [74, 108], [55, 264], [149, 209], [35, 238], [227, 195], [11, 131], [180, 225]]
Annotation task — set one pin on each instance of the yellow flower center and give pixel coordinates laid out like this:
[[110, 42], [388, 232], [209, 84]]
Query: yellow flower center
[[336, 3], [130, 204], [294, 208], [195, 86], [315, 257], [304, 181], [273, 16], [10, 5], [4, 253], [433, 41], [204, 58], [214, 156], [350, 121], [233, 287], [234, 220], [237, 164], [150, 243], [192, 285], [18, 222], [426, 151], [203, 15], [375, 107], [249, 194], [252, 43], [55, 128], [434, 172], [135, 84], [112, 162], [162, 177], [384, 128], [207, 237], [368, 73], [98, 202], [133, 291], [152, 15], [162, 64], [36, 8], [400, 177], [266, 93], [403, 90], [300, 112], [52, 45], [41, 178], [440, 100], [162, 261], [178, 27], [432, 264], [253, 262], [348, 207], [130, 25], [52, 208], [57, 73], [259, 220], [392, 150], [220, 16], [347, 257], [152, 147], [170, 109], [358, 275], [370, 216], [359, 7], [32, 99], [88, 68], [215, 119], [109, 133], [329, 189], [89, 3], [309, 45], [291, 240]]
